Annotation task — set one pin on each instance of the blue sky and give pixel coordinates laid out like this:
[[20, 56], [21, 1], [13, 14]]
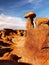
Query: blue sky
[[17, 8]]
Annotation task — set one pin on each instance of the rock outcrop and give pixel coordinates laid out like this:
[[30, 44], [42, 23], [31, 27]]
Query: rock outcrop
[[31, 48], [37, 42], [41, 21]]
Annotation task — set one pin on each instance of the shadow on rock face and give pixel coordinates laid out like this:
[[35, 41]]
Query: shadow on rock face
[[4, 44], [14, 57], [9, 62], [5, 50]]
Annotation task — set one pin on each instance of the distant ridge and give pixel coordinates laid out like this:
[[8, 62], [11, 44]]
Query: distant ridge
[[4, 26]]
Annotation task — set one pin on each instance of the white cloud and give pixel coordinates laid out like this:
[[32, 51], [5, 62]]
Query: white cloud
[[30, 1], [11, 22], [36, 3]]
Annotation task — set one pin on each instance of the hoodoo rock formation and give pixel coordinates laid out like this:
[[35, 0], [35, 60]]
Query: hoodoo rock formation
[[31, 48], [37, 42], [30, 16], [40, 21]]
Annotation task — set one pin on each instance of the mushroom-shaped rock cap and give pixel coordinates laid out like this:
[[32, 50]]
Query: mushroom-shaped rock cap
[[41, 20], [30, 14]]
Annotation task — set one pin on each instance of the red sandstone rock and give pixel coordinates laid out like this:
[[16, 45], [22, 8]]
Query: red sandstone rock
[[36, 48], [40, 21]]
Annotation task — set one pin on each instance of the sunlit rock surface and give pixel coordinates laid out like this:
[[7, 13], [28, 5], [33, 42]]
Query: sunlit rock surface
[[28, 46]]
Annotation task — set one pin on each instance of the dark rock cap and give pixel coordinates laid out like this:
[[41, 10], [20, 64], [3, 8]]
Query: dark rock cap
[[30, 14]]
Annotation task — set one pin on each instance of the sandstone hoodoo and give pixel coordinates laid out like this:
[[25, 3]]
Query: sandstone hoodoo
[[37, 42], [26, 47], [30, 16], [40, 21]]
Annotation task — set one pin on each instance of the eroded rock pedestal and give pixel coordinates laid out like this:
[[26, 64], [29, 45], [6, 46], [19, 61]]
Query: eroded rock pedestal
[[37, 42], [34, 47]]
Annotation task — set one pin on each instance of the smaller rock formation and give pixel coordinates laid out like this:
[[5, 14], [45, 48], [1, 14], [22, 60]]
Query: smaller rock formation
[[41, 21]]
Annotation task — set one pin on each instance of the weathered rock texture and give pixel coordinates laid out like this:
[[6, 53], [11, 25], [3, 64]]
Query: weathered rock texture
[[37, 43], [9, 41], [41, 21], [32, 48]]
